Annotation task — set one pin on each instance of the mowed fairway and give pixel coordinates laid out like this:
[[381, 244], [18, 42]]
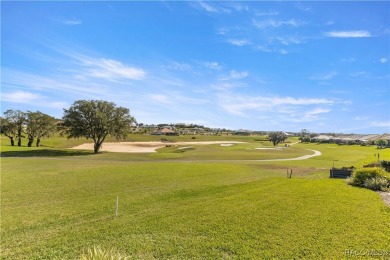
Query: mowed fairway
[[60, 202]]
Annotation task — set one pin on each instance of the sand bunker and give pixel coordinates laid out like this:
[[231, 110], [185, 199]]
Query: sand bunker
[[227, 144], [143, 147], [270, 148]]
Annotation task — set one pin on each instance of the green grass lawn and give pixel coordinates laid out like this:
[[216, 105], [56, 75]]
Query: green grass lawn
[[56, 203]]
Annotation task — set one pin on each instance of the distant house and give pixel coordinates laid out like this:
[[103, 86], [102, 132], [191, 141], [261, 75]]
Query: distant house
[[164, 131]]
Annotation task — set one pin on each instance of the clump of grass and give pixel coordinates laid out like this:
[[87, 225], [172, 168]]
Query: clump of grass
[[97, 253], [372, 178]]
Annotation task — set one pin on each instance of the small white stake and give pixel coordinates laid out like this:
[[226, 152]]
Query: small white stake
[[116, 208]]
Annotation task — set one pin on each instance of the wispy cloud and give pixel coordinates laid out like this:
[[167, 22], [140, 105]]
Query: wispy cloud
[[211, 8], [239, 42], [302, 7], [25, 97], [174, 98], [276, 23], [268, 13], [359, 75], [71, 21], [20, 97], [235, 75], [383, 60], [110, 69], [324, 76], [348, 34], [213, 65], [283, 52], [178, 66], [239, 104]]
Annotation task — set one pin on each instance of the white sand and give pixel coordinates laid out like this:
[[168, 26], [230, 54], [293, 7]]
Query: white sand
[[271, 148], [143, 147]]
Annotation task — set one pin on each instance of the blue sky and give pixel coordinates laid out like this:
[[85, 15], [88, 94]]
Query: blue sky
[[322, 66]]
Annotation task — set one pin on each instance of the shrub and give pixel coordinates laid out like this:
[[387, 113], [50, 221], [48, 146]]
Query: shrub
[[385, 165], [97, 253], [373, 178], [377, 183]]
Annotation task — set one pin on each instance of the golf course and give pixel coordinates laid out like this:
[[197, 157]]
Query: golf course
[[229, 198]]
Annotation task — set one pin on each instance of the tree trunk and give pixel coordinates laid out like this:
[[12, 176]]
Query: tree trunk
[[38, 141], [30, 142], [97, 146], [12, 141], [19, 137]]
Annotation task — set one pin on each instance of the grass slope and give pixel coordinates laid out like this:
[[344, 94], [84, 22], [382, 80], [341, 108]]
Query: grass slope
[[57, 206]]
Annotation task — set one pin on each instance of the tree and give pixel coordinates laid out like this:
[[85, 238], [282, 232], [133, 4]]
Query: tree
[[277, 137], [304, 135], [17, 118], [8, 129], [95, 119], [39, 125]]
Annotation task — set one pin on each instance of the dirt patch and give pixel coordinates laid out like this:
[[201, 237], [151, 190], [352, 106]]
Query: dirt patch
[[385, 197], [143, 147]]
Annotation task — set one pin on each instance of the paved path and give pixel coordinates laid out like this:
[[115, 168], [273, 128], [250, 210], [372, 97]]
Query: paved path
[[305, 157]]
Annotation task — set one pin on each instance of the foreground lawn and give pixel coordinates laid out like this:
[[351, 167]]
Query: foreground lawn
[[57, 203], [57, 207]]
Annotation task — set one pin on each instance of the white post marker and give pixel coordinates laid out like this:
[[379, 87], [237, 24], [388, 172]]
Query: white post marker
[[116, 208]]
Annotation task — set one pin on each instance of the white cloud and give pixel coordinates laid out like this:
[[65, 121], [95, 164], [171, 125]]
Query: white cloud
[[269, 13], [72, 21], [213, 65], [276, 23], [211, 8], [111, 69], [383, 60], [361, 118], [289, 40], [239, 42], [178, 66], [330, 22], [222, 31], [283, 51], [174, 98], [324, 76], [348, 34], [239, 105], [20, 97], [316, 112], [359, 75], [235, 75]]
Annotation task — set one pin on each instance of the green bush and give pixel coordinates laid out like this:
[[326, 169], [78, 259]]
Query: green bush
[[371, 178], [385, 165], [377, 183]]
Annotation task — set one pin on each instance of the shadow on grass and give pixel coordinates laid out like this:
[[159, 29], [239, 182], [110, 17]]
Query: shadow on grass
[[45, 153]]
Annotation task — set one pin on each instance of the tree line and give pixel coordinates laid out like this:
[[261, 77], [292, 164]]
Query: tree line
[[17, 124], [92, 119]]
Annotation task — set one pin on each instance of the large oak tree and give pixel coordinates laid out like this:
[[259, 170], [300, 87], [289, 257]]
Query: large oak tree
[[39, 125], [96, 119], [16, 118], [9, 129], [277, 137]]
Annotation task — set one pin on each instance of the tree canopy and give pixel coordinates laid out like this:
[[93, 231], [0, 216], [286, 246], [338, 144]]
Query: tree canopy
[[39, 125], [16, 118], [277, 137], [9, 129], [95, 119]]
